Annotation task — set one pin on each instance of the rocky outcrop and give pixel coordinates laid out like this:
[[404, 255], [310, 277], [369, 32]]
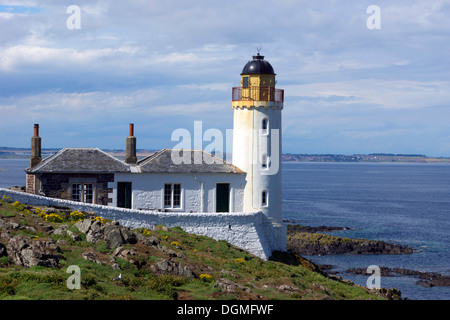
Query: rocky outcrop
[[427, 279], [172, 267], [112, 233], [230, 287], [27, 253], [312, 243]]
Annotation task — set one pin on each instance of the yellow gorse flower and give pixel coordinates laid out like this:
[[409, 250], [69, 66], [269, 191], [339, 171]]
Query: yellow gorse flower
[[76, 216], [205, 277], [102, 221], [239, 260]]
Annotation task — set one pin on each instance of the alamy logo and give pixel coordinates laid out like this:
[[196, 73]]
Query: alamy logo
[[74, 20], [374, 281], [374, 21], [74, 281]]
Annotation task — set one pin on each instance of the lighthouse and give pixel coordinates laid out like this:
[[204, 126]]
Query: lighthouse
[[257, 107]]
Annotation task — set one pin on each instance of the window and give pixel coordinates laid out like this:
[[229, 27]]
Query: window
[[83, 192], [245, 82], [172, 195], [167, 195], [176, 195], [264, 161], [264, 199], [265, 126]]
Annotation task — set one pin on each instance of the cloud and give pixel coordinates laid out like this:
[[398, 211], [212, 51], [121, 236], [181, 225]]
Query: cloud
[[164, 64]]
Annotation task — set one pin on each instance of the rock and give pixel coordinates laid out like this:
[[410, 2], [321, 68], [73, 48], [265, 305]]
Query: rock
[[91, 256], [74, 236], [288, 288], [113, 236], [129, 236], [229, 286], [14, 225], [126, 254], [61, 231], [27, 253], [390, 294], [62, 242], [2, 250], [149, 241], [95, 233], [307, 243], [169, 266], [48, 229], [83, 225], [32, 229]]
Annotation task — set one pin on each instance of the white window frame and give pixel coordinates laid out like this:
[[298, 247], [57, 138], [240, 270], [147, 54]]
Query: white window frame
[[172, 196], [83, 189]]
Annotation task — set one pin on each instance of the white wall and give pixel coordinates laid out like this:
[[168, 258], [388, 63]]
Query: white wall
[[249, 143], [250, 231], [198, 190]]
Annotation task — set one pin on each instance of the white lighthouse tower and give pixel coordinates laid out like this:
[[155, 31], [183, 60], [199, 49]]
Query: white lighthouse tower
[[257, 106]]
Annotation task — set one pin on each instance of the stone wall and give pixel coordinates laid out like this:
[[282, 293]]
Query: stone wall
[[58, 185], [250, 231]]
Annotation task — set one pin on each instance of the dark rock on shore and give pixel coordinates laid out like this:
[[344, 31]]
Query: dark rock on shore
[[428, 279], [295, 228], [311, 243]]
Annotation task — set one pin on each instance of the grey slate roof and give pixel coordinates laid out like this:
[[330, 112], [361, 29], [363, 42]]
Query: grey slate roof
[[94, 160], [198, 161], [80, 160]]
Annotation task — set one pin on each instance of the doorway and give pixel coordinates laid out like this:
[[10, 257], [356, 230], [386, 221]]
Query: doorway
[[124, 195], [223, 197]]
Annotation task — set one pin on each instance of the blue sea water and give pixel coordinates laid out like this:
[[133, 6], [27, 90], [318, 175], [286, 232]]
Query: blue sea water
[[408, 204]]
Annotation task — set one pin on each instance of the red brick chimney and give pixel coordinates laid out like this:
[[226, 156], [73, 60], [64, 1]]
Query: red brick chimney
[[130, 156], [35, 147]]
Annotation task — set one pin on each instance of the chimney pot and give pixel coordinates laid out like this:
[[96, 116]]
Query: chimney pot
[[36, 130], [131, 130]]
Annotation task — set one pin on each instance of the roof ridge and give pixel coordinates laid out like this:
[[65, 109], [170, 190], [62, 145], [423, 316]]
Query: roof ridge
[[151, 157]]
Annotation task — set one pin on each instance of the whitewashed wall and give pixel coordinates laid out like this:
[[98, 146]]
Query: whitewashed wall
[[198, 190], [250, 231]]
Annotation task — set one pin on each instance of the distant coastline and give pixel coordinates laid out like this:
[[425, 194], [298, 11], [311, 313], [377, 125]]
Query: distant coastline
[[24, 153], [372, 157]]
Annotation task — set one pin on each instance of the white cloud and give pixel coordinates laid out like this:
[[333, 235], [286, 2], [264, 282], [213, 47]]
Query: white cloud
[[15, 57]]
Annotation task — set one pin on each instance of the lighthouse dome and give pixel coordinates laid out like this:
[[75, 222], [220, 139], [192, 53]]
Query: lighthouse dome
[[258, 66]]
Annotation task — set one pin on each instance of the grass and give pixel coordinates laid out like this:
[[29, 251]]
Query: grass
[[217, 259]]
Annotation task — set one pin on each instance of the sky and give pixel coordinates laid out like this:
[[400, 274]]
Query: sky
[[164, 64]]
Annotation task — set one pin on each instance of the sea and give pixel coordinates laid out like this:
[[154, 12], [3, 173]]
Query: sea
[[403, 203]]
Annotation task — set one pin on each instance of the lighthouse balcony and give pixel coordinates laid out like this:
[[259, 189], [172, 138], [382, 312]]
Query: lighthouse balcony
[[257, 94]]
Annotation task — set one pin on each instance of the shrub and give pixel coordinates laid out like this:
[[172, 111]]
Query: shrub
[[76, 216], [175, 243], [144, 231], [239, 260], [166, 285], [18, 206], [206, 277], [102, 221], [6, 199], [53, 217]]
